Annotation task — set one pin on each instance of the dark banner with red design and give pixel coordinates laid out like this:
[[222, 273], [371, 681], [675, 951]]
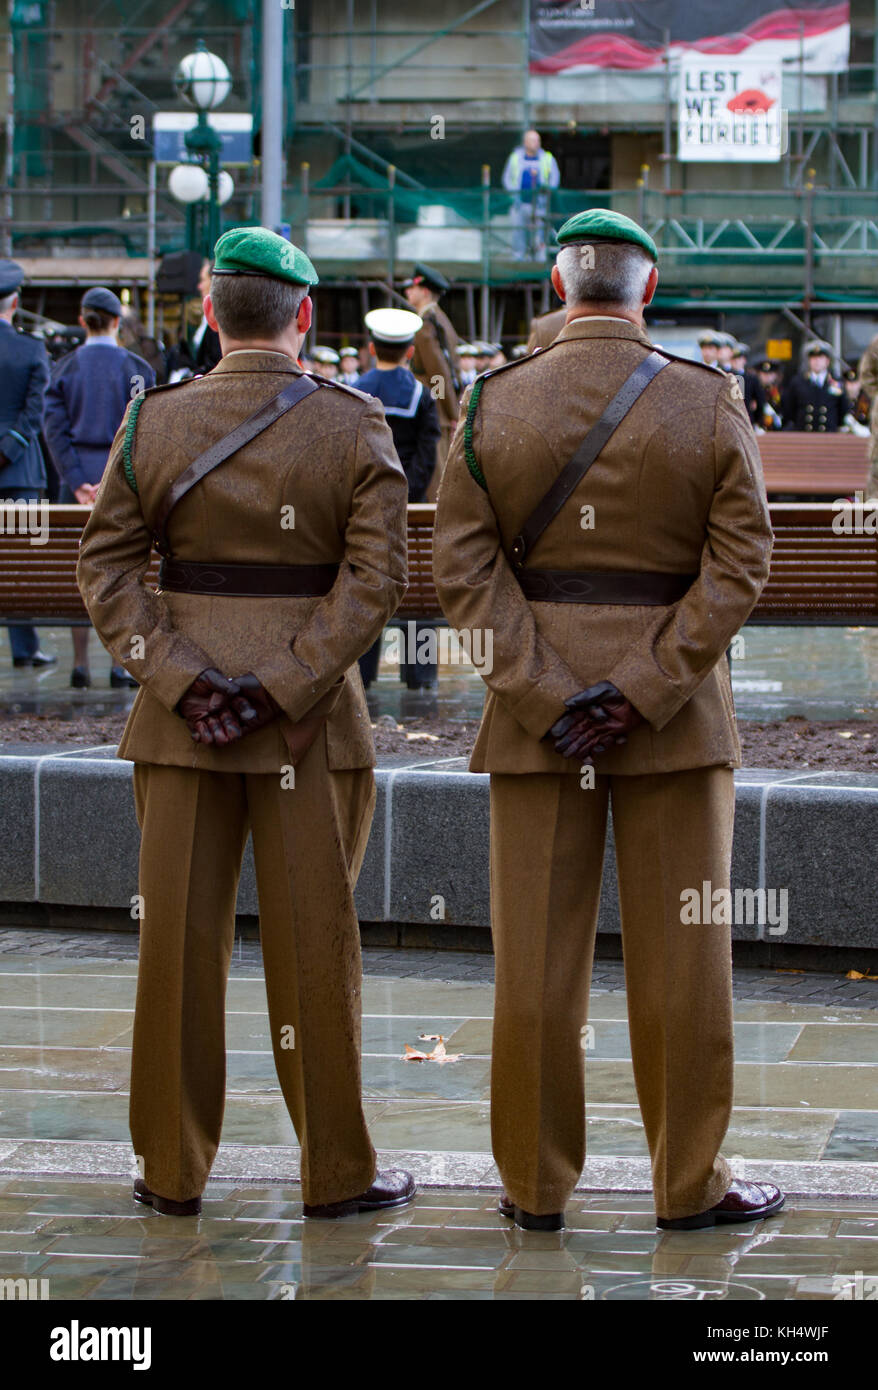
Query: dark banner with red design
[[569, 36]]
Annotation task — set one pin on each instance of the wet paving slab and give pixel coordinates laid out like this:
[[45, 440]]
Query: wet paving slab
[[86, 1239], [806, 1112]]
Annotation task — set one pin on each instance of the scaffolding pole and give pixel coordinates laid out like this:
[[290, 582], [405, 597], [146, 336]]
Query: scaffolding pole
[[272, 113]]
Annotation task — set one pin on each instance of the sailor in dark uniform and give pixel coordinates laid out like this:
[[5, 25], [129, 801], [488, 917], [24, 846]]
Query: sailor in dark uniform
[[24, 375], [814, 402], [754, 396], [349, 365], [88, 394], [411, 413], [767, 373]]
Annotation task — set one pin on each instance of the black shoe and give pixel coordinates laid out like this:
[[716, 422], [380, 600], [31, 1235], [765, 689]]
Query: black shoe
[[119, 678], [744, 1201], [166, 1205], [80, 678], [527, 1220], [392, 1188], [38, 659]]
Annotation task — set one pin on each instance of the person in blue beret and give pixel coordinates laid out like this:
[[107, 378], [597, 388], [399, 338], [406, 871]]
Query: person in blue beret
[[24, 373], [88, 394]]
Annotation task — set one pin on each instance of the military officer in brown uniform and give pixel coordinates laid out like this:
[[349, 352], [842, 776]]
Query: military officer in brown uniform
[[278, 504], [868, 373], [609, 684], [435, 359], [545, 329]]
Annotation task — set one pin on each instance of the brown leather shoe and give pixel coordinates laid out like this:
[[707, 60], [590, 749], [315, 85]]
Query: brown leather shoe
[[166, 1205], [392, 1188], [744, 1201], [527, 1220]]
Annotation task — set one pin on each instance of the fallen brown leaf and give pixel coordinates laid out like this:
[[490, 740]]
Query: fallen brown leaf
[[437, 1055]]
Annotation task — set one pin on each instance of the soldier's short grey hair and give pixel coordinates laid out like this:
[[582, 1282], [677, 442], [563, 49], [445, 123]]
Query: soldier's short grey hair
[[604, 273], [7, 302], [254, 306]]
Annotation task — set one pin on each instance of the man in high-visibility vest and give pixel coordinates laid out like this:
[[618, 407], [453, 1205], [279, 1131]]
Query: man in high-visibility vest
[[529, 173]]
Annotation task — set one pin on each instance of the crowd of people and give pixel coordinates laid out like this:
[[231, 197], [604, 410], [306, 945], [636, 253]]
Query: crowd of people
[[812, 400], [63, 397]]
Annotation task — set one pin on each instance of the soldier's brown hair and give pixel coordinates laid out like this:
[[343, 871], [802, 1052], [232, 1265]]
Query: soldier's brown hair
[[254, 306]]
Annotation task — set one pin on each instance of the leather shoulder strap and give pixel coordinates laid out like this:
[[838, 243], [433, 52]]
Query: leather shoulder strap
[[224, 448], [574, 471]]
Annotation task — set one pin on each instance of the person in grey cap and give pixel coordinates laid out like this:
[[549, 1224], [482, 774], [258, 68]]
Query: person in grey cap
[[24, 373], [88, 394]]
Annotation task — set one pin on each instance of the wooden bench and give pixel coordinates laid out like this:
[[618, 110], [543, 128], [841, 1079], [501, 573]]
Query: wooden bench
[[818, 465], [817, 576]]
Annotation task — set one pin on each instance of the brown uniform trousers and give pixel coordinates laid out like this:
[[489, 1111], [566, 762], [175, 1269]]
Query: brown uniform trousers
[[329, 470], [677, 488]]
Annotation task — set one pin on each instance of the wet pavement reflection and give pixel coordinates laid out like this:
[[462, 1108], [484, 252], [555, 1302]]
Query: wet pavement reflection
[[806, 1109]]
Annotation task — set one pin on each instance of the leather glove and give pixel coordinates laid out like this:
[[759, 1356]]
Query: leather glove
[[206, 708], [254, 706], [599, 717]]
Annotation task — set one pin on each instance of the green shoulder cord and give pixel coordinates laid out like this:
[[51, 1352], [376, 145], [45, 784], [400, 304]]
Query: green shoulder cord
[[472, 462], [129, 440]]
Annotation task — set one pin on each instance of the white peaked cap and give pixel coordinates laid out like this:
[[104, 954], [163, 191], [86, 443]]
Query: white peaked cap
[[393, 325]]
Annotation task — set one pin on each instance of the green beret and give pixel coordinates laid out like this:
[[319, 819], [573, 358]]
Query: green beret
[[257, 251], [599, 224]]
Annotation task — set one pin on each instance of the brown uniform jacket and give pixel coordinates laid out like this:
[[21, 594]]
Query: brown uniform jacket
[[868, 374], [331, 459], [545, 329], [430, 361], [677, 488]]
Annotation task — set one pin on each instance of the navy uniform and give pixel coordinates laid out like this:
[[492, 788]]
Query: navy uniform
[[24, 364], [349, 366], [754, 396], [411, 413], [814, 402], [466, 364], [325, 363], [89, 392], [767, 373], [709, 343]]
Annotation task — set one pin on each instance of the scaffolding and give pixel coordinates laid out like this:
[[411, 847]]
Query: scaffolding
[[369, 189]]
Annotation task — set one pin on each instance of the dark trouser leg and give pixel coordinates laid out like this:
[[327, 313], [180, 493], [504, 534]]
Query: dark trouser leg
[[23, 638]]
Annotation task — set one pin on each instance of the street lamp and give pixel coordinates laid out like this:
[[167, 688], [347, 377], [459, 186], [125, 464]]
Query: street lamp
[[203, 80]]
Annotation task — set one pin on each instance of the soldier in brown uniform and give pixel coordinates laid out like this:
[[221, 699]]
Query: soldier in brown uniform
[[868, 373], [545, 329], [609, 684], [435, 359], [278, 504]]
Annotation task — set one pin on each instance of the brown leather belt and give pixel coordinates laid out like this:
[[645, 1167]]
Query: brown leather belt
[[647, 588], [247, 581]]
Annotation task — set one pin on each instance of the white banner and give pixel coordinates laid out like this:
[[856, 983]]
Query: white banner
[[729, 110]]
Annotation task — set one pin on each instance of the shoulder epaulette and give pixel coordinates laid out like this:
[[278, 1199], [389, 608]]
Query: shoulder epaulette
[[691, 362], [338, 385], [137, 402]]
